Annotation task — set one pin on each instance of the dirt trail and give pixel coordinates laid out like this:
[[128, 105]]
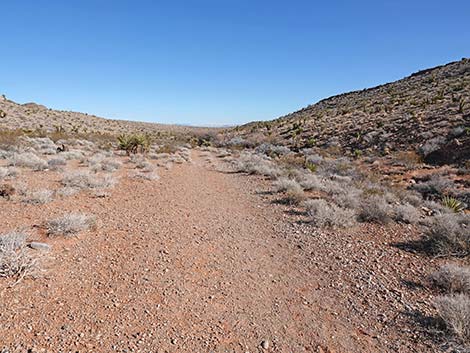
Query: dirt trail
[[190, 263]]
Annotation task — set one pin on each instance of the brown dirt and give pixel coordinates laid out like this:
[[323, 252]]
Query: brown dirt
[[201, 261]]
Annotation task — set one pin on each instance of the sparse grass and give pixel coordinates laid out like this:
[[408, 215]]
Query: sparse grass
[[326, 214], [70, 224], [454, 310], [15, 260]]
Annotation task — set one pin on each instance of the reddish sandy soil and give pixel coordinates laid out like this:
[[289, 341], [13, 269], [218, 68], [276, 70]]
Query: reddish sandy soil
[[204, 261]]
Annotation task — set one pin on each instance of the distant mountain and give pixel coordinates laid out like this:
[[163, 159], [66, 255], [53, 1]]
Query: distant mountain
[[428, 111]]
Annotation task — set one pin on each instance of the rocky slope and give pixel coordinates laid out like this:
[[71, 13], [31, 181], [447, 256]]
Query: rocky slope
[[32, 117], [428, 111]]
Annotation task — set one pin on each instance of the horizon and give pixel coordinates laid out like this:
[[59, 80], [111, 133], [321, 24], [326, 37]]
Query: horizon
[[142, 64]]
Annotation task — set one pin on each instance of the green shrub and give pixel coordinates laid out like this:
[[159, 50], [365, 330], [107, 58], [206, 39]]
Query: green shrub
[[134, 143]]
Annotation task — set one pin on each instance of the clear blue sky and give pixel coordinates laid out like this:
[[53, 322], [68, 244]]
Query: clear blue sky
[[217, 62]]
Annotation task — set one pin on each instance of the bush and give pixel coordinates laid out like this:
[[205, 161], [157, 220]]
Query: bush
[[14, 257], [70, 224], [407, 214], [453, 204], [285, 184], [436, 186], [375, 209], [454, 310], [253, 164], [27, 160], [326, 214], [452, 279], [38, 197], [56, 163], [449, 234], [133, 144], [83, 180]]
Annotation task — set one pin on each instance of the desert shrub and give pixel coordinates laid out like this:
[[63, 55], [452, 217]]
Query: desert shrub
[[436, 186], [325, 214], [294, 195], [74, 154], [272, 150], [15, 259], [106, 164], [254, 164], [432, 145], [134, 143], [67, 191], [285, 184], [454, 310], [84, 180], [56, 163], [9, 172], [375, 209], [145, 175], [452, 278], [407, 214], [70, 224], [38, 197], [448, 234], [27, 160]]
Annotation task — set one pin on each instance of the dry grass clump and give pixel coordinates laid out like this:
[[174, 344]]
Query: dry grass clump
[[70, 224], [38, 197], [325, 214], [449, 234], [454, 310], [27, 160], [15, 260], [84, 180], [452, 278]]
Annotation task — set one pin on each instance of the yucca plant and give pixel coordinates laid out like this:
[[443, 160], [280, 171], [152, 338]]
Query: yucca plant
[[134, 143], [452, 203]]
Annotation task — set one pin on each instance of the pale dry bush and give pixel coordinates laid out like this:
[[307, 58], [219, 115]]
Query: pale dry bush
[[38, 197], [8, 172], [407, 214], [70, 224], [151, 175], [452, 278], [375, 209], [84, 180], [254, 164], [15, 259], [454, 310], [325, 214], [73, 154], [67, 191], [27, 160], [56, 163], [285, 184], [448, 234]]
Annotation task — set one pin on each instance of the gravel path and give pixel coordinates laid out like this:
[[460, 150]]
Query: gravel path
[[193, 262]]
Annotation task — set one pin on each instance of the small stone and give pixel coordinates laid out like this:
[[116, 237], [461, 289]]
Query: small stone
[[39, 246], [265, 344]]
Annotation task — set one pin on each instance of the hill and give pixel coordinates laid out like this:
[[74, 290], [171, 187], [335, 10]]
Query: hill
[[429, 112]]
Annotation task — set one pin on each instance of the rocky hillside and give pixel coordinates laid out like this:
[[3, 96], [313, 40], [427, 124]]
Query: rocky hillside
[[428, 111], [32, 117]]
